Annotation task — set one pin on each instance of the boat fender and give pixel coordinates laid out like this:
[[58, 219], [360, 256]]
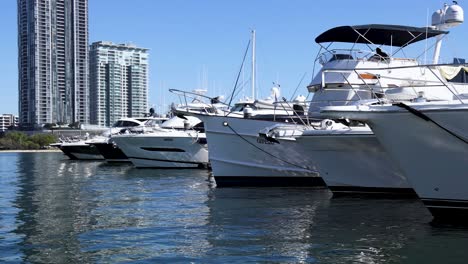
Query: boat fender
[[326, 123]]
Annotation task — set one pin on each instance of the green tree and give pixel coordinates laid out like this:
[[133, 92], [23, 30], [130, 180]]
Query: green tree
[[43, 139], [18, 138]]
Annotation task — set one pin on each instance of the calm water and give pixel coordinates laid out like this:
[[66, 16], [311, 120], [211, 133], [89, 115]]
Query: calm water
[[53, 210]]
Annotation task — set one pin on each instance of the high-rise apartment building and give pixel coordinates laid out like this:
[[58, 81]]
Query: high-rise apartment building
[[118, 82], [53, 61], [7, 120]]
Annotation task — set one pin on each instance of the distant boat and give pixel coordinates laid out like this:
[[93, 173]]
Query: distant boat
[[111, 152], [179, 142], [80, 149]]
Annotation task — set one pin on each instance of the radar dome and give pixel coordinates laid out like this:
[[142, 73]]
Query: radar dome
[[437, 18], [454, 15]]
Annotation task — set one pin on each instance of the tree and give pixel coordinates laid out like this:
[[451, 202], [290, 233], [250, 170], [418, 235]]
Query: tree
[[43, 140]]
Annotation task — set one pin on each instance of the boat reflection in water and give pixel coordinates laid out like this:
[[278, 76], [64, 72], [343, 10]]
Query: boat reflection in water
[[82, 212], [51, 203]]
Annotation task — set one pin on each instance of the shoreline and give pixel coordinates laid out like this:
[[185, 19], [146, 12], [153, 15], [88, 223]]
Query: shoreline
[[29, 150]]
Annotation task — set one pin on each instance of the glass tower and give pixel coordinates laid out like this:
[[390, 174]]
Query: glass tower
[[53, 61]]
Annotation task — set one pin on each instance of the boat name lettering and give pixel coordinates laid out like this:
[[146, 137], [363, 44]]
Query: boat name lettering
[[264, 141]]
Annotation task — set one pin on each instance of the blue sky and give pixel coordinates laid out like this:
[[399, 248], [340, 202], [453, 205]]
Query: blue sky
[[200, 43]]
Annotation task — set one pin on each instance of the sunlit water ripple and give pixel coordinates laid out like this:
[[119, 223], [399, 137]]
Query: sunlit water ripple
[[54, 210]]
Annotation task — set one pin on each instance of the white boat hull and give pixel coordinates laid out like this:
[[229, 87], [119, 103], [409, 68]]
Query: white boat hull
[[434, 160], [353, 163], [239, 158], [163, 150]]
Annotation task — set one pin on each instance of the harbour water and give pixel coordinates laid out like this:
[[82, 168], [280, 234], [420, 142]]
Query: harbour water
[[53, 210]]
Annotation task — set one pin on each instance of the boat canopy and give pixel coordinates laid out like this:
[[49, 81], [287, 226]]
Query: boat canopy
[[390, 35]]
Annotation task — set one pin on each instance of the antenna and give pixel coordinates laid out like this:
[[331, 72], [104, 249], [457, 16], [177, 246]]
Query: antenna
[[253, 64]]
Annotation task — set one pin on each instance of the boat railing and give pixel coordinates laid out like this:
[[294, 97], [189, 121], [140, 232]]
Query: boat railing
[[371, 79], [196, 102]]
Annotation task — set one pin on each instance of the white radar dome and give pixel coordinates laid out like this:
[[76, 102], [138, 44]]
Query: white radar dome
[[454, 15], [437, 17]]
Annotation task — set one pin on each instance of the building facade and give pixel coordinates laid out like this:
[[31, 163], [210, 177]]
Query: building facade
[[118, 82], [53, 61], [7, 120]]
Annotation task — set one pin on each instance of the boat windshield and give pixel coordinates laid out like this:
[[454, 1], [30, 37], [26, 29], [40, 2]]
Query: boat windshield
[[125, 123], [240, 107], [352, 55]]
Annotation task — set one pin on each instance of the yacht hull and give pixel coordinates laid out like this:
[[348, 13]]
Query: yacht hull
[[81, 152], [354, 164], [164, 150], [434, 157], [111, 152], [240, 158]]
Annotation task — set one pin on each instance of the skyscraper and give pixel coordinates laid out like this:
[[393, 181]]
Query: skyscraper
[[53, 61], [118, 82]]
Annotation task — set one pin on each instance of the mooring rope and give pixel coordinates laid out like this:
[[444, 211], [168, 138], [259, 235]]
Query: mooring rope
[[427, 118], [268, 153]]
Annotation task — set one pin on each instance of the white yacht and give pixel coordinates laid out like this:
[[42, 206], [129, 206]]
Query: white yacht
[[346, 154], [107, 147], [81, 149], [430, 142], [179, 142], [428, 139], [239, 158]]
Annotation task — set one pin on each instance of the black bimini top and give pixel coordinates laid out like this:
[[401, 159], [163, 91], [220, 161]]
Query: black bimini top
[[394, 35]]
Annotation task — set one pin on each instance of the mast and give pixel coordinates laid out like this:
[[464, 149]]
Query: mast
[[253, 64]]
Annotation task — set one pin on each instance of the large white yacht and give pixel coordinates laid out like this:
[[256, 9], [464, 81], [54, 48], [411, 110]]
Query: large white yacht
[[239, 158], [428, 139], [180, 142], [346, 154]]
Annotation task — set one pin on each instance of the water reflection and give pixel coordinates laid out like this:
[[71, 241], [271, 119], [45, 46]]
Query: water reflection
[[367, 231], [271, 224], [52, 209], [152, 215], [8, 212], [71, 211], [58, 211]]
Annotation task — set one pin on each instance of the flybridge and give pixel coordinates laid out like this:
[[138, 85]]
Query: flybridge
[[395, 35], [391, 35]]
